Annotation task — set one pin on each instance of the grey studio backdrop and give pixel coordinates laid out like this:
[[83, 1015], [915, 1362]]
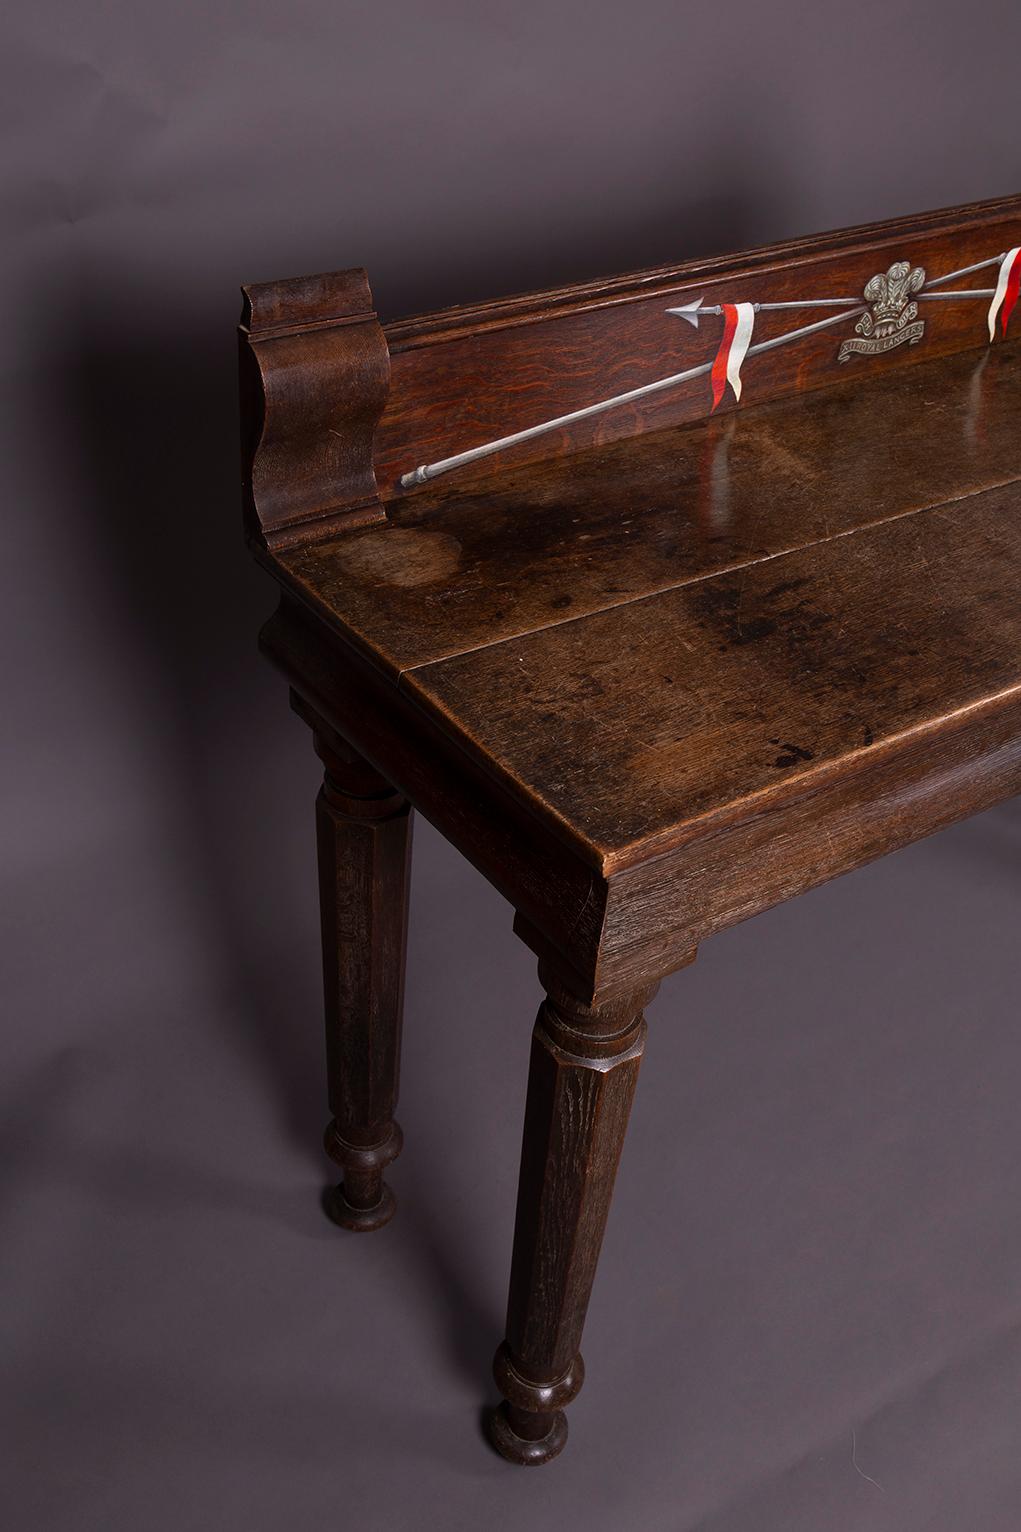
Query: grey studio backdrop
[[807, 1315]]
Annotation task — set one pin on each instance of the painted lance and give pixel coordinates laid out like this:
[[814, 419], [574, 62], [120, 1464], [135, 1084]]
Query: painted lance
[[886, 315]]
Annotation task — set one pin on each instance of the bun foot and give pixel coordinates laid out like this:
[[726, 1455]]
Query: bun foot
[[362, 1201], [360, 1220], [526, 1450]]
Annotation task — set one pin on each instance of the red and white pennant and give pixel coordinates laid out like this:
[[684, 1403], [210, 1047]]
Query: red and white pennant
[[738, 321], [1007, 287]]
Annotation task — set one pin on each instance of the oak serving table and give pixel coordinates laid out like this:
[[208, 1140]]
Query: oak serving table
[[664, 598]]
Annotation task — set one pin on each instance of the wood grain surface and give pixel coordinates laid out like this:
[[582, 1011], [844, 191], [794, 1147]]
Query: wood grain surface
[[497, 553], [314, 375], [468, 376], [639, 725]]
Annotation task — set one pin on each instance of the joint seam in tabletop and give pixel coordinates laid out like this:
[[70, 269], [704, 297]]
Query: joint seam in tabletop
[[309, 595], [606, 862], [933, 508]]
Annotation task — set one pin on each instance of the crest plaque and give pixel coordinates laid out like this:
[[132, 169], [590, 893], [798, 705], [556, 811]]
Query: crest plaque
[[893, 316]]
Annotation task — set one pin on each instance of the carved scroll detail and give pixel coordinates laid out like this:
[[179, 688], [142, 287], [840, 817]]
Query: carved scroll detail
[[315, 373]]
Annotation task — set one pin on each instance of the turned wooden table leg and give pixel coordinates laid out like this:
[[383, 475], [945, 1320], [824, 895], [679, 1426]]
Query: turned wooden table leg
[[363, 829], [581, 1081]]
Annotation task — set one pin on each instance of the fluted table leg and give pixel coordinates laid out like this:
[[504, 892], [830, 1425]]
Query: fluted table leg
[[364, 839], [582, 1077]]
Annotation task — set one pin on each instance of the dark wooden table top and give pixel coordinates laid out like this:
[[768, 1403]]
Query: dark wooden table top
[[638, 637], [658, 667]]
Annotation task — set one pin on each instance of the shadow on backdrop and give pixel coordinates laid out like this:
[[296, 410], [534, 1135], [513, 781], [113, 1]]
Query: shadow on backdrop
[[150, 403]]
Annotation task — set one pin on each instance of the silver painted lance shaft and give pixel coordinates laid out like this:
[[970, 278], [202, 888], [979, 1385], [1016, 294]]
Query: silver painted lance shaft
[[957, 292], [965, 271], [693, 312], [427, 471]]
